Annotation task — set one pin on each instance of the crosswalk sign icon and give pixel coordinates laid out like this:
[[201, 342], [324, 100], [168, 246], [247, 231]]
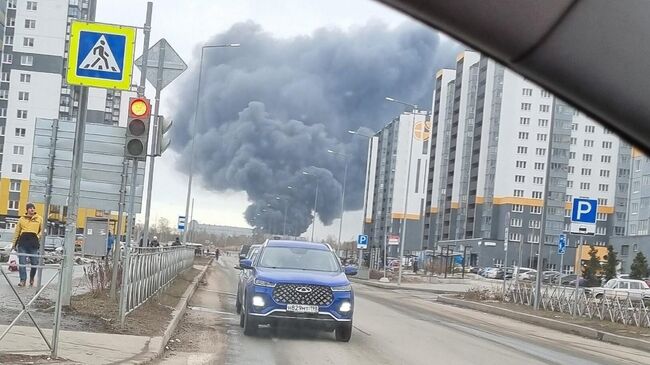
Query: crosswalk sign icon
[[101, 55]]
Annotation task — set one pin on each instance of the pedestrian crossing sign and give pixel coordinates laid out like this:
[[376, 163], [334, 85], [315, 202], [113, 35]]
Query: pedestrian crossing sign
[[100, 55]]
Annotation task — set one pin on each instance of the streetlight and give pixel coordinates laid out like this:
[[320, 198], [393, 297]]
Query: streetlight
[[408, 182], [313, 219], [194, 128], [365, 203], [345, 176], [286, 210]]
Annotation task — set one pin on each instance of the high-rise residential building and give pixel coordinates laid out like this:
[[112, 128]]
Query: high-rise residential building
[[497, 138], [34, 56], [389, 210]]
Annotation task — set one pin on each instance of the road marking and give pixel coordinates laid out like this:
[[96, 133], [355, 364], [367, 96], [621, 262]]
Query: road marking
[[218, 292], [203, 309], [362, 331]]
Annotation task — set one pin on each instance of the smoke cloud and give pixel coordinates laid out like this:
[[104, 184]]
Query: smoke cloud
[[271, 109]]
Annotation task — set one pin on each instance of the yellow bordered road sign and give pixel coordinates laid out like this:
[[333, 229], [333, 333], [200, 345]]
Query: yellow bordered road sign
[[101, 55]]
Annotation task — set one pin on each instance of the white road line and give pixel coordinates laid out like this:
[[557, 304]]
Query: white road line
[[203, 309]]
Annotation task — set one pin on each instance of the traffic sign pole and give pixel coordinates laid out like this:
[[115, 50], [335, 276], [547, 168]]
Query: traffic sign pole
[[578, 271]]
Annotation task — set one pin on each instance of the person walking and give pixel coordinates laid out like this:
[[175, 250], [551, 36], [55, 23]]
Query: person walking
[[110, 241], [27, 242], [415, 265], [177, 242], [154, 242]]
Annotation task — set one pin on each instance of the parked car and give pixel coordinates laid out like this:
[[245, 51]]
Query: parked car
[[5, 250], [528, 275], [244, 274], [508, 272], [622, 289], [244, 251], [491, 273], [53, 242], [521, 270], [583, 282], [299, 283], [550, 276]]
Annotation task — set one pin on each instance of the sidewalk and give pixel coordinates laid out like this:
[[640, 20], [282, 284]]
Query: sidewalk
[[437, 285]]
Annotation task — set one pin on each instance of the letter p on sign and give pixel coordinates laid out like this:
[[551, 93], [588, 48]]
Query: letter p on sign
[[584, 210]]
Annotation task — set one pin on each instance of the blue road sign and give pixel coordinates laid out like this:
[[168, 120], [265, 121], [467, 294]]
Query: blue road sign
[[584, 210], [362, 242], [561, 245], [181, 223]]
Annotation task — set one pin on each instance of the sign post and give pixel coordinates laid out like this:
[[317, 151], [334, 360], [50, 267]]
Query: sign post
[[362, 244], [583, 222], [561, 250]]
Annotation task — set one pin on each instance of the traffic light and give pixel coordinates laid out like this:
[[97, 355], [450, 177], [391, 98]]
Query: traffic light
[[161, 141], [137, 128]]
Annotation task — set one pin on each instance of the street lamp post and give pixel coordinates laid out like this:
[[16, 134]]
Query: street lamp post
[[195, 129], [286, 210], [408, 182], [365, 203], [313, 219], [345, 176]]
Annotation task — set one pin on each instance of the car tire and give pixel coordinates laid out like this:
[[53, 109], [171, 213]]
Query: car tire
[[238, 305], [343, 332], [599, 296], [248, 323]]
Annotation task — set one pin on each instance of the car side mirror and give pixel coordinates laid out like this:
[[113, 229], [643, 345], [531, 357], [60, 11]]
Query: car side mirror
[[237, 267], [241, 256], [351, 270], [246, 264]]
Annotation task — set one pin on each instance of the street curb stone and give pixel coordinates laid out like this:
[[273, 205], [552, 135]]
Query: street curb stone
[[393, 287], [178, 314], [550, 323]]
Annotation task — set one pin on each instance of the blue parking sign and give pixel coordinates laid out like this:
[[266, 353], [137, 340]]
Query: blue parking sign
[[584, 210], [362, 242], [561, 245]]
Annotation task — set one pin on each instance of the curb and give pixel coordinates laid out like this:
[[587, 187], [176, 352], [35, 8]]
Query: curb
[[395, 287], [551, 323], [178, 313]]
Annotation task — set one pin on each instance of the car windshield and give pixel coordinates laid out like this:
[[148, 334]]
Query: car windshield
[[611, 284], [299, 259]]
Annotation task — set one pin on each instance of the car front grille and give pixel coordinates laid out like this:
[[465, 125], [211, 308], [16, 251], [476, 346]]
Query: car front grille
[[303, 294]]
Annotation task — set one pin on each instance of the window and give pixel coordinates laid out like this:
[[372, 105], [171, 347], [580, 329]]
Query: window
[[520, 178], [568, 198], [546, 94], [525, 106], [643, 227], [538, 180], [9, 40], [574, 126], [11, 4], [517, 208], [634, 207], [515, 222], [11, 22], [587, 157], [7, 58], [605, 158], [567, 212], [571, 169], [625, 250], [28, 42], [523, 135], [534, 224], [14, 186], [584, 186], [26, 78], [524, 121], [21, 114], [645, 203], [544, 108], [645, 180], [17, 168], [540, 151], [30, 24], [533, 238], [607, 144], [590, 129], [3, 113], [522, 149], [520, 164], [589, 143], [602, 201], [586, 172], [31, 5], [603, 187], [19, 150], [535, 210], [574, 140], [20, 132], [5, 76], [601, 216], [26, 60], [636, 185], [4, 94], [527, 92], [518, 193], [541, 137], [542, 122], [537, 195], [569, 183], [601, 231], [13, 205], [514, 236], [539, 166], [604, 173]]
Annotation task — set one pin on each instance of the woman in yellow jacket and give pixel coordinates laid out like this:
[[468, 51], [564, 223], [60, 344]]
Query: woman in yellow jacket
[[28, 231]]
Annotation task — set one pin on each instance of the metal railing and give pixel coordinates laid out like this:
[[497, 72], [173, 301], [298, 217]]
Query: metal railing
[[148, 270], [606, 305]]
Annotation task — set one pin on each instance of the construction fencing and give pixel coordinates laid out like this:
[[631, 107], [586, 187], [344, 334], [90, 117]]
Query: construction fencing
[[608, 305], [148, 270]]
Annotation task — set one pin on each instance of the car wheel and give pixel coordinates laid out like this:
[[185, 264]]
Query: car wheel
[[599, 296], [241, 318], [248, 323], [343, 332]]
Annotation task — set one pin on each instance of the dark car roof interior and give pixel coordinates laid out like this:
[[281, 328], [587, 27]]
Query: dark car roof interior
[[592, 53]]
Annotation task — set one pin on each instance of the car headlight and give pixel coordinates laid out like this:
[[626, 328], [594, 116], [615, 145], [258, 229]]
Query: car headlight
[[258, 301], [342, 288], [260, 282], [345, 307]]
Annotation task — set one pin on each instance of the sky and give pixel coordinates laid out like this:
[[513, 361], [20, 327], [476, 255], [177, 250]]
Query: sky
[[187, 26]]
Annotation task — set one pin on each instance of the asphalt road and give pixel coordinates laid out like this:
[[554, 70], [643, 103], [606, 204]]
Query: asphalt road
[[391, 327]]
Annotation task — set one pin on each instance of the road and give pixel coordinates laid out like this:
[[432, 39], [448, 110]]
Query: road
[[391, 327]]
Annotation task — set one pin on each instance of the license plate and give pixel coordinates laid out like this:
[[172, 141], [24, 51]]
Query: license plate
[[302, 308]]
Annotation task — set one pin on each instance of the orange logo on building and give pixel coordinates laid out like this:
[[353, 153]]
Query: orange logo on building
[[422, 131]]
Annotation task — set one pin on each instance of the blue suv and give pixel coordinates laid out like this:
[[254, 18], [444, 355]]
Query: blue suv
[[301, 283]]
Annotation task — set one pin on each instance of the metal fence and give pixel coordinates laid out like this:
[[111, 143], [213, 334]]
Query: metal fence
[[609, 305], [147, 271]]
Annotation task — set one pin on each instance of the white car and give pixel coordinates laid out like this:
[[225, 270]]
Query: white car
[[527, 274], [622, 289]]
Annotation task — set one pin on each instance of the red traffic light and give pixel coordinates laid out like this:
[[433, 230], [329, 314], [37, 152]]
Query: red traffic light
[[139, 108]]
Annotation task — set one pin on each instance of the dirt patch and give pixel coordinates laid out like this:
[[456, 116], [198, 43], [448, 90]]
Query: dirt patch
[[606, 326], [150, 319], [29, 359]]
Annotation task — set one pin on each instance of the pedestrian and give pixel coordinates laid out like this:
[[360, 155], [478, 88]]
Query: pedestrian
[[216, 254], [177, 242], [27, 242], [415, 266], [110, 241], [154, 242]]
